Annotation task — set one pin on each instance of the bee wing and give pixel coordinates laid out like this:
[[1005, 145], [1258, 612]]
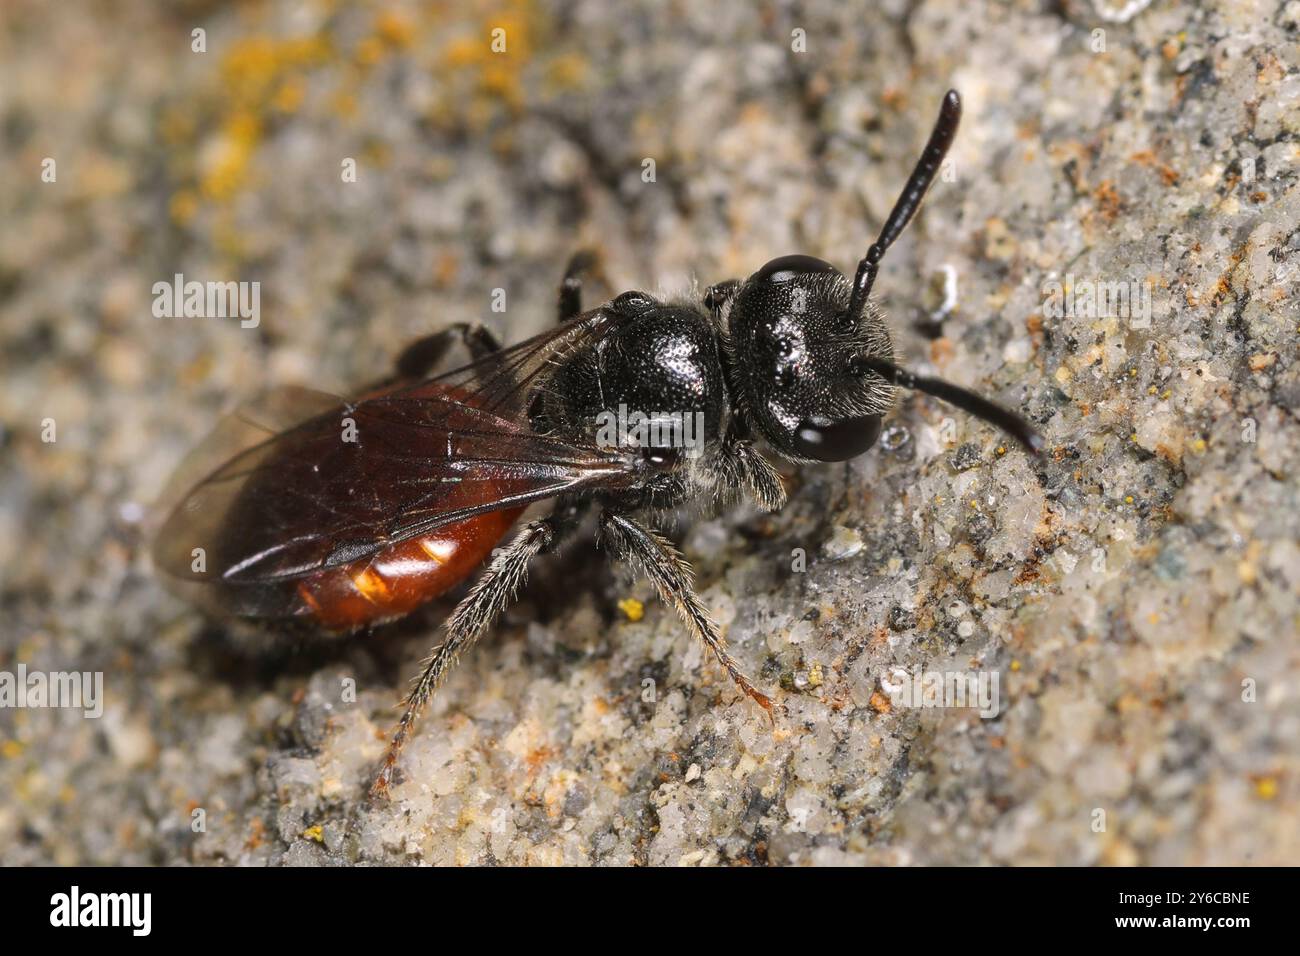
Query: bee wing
[[252, 423], [504, 382], [353, 478]]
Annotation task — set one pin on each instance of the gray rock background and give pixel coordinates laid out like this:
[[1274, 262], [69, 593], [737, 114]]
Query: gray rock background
[[1136, 593]]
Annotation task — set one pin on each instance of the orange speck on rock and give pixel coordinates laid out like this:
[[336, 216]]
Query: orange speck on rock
[[537, 757], [255, 836], [1108, 200], [941, 351]]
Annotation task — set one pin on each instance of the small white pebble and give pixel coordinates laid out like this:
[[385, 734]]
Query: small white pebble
[[1017, 351], [843, 543]]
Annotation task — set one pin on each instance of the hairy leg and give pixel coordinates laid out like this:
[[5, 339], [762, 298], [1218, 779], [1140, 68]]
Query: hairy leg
[[743, 468], [672, 578], [492, 593]]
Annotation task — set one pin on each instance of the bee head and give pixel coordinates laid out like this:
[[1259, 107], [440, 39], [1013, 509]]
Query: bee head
[[799, 354]]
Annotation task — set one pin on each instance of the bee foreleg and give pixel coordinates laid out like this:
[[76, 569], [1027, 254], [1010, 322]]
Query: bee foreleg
[[671, 575], [746, 468]]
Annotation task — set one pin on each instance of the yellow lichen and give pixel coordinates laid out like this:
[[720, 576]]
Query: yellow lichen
[[567, 71], [394, 30], [183, 206]]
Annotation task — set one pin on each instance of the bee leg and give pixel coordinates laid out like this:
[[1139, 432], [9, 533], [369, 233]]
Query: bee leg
[[491, 594], [748, 469], [672, 577], [421, 357], [718, 294], [570, 298], [743, 468]]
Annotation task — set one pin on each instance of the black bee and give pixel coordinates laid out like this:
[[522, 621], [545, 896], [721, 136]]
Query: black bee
[[340, 515]]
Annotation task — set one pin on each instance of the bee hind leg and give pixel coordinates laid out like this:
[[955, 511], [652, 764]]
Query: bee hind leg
[[494, 591]]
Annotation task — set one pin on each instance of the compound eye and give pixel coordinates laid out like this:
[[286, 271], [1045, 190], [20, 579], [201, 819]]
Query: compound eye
[[786, 268], [824, 439], [633, 303], [661, 459]]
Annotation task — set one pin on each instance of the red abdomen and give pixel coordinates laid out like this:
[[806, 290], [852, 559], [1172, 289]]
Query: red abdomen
[[399, 579], [295, 528]]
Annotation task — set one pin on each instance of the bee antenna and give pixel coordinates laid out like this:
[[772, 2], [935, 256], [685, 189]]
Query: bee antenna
[[955, 395], [909, 200]]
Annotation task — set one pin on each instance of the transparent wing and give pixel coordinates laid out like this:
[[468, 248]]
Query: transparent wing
[[350, 479]]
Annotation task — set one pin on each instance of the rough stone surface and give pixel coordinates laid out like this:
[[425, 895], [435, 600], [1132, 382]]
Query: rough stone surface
[[1135, 592]]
